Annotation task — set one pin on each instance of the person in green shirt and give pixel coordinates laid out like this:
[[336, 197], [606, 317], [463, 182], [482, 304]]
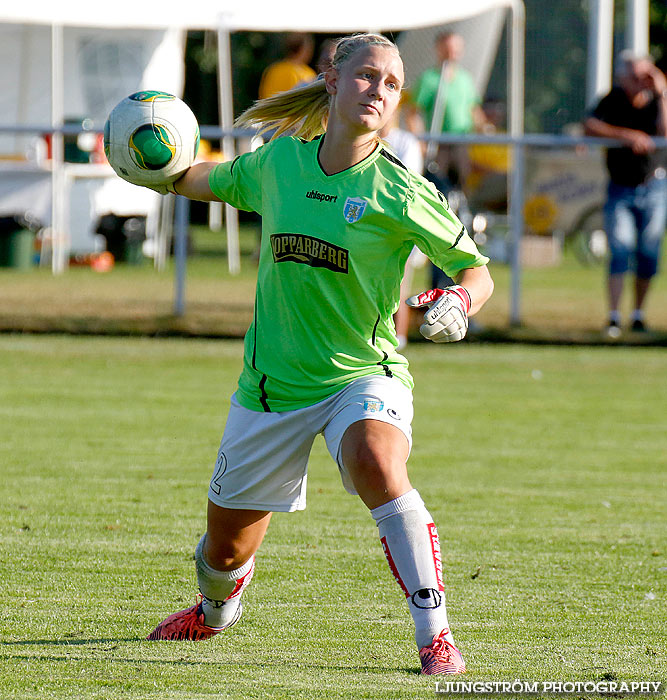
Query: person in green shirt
[[445, 101], [340, 214], [461, 98]]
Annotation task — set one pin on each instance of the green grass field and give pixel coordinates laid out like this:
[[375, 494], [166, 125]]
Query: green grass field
[[563, 303], [543, 467]]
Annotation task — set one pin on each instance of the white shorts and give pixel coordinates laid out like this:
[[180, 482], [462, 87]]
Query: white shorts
[[263, 458]]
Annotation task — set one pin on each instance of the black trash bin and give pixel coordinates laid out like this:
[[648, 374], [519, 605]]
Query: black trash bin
[[125, 236]]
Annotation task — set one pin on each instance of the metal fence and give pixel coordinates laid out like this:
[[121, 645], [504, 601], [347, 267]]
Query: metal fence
[[516, 193]]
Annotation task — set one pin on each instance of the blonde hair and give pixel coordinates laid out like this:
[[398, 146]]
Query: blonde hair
[[303, 111]]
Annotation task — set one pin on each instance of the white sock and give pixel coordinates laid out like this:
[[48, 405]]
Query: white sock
[[221, 590], [637, 315], [615, 316], [410, 541]]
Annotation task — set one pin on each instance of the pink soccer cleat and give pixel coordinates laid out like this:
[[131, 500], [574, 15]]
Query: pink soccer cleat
[[441, 657], [188, 625]]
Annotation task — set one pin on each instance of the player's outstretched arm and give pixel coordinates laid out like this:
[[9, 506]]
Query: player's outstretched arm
[[446, 317], [194, 184]]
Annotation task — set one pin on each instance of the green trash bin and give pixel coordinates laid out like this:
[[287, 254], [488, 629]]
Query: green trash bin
[[17, 244]]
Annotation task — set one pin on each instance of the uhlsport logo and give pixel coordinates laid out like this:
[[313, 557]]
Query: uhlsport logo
[[321, 196], [354, 209], [308, 250]]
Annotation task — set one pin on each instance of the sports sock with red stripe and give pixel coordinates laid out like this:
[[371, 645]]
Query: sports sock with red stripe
[[410, 542], [221, 590]]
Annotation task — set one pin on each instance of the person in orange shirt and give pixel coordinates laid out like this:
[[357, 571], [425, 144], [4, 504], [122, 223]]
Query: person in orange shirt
[[291, 71]]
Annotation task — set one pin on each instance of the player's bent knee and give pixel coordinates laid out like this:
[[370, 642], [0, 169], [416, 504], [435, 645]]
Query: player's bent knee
[[374, 455]]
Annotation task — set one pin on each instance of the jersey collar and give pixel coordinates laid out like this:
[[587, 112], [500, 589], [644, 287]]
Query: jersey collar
[[361, 165]]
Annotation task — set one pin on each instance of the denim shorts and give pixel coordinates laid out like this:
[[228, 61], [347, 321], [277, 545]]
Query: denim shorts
[[635, 221]]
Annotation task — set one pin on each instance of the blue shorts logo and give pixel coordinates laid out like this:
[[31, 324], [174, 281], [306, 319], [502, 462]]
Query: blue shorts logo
[[354, 209], [373, 405]]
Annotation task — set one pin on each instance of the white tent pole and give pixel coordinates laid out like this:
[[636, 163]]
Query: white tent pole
[[439, 109], [228, 145], [181, 219], [517, 68], [600, 47], [58, 234], [637, 27], [517, 181]]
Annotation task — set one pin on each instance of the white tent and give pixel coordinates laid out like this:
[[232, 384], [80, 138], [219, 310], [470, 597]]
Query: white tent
[[262, 15], [99, 66], [344, 16]]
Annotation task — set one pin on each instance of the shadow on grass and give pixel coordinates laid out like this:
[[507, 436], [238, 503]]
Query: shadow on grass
[[69, 642], [413, 671], [118, 660]]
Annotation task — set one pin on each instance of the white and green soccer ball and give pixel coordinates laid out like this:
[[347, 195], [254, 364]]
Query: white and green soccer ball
[[151, 138]]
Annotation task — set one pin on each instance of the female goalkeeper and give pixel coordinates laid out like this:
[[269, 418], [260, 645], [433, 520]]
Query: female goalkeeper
[[340, 215]]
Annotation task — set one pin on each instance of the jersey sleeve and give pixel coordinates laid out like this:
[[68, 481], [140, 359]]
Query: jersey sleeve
[[438, 233], [239, 182]]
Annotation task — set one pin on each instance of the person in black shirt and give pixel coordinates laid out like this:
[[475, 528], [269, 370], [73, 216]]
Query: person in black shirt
[[636, 207]]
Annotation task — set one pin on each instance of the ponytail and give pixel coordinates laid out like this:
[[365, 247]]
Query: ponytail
[[304, 110]]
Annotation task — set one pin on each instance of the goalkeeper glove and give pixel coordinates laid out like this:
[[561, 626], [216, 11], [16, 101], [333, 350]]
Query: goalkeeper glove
[[166, 188], [446, 319]]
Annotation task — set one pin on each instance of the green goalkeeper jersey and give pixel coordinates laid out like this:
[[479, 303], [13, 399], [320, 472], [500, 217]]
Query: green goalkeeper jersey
[[332, 256]]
